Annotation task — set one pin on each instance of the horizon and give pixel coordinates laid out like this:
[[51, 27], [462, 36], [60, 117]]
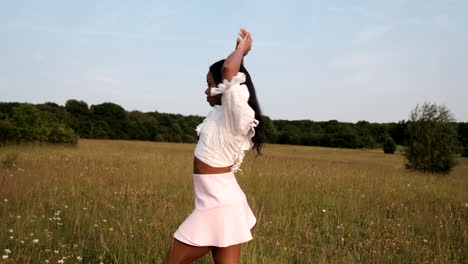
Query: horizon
[[273, 119]]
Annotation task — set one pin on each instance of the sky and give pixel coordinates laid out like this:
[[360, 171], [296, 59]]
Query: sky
[[318, 60]]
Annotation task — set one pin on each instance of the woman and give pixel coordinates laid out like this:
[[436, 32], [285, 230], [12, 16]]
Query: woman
[[222, 218]]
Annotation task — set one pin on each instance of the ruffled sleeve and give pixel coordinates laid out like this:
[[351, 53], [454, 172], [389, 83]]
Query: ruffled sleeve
[[239, 116]]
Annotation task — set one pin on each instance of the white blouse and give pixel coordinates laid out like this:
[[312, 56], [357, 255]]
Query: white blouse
[[227, 130]]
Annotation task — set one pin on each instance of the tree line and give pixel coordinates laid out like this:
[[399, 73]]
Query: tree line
[[50, 122]]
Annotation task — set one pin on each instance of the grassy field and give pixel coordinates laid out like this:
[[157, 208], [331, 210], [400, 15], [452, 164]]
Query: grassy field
[[120, 201]]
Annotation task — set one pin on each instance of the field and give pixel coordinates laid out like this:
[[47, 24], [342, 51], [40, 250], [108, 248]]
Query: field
[[120, 201]]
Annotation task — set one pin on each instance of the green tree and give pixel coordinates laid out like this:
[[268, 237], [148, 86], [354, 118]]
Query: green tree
[[432, 141], [114, 116]]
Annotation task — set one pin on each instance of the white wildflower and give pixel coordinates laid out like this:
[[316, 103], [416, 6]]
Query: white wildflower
[[4, 256], [324, 210], [7, 251], [36, 240]]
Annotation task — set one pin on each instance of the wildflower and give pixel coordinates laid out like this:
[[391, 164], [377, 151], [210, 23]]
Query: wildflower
[[46, 261], [4, 256], [425, 240], [11, 237], [56, 251], [36, 241], [466, 204], [60, 261], [324, 210], [104, 220], [22, 241], [140, 220], [84, 208], [111, 229], [5, 200], [79, 258], [7, 251], [66, 206]]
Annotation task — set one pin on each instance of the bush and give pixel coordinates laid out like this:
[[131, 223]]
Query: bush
[[389, 146], [62, 134], [432, 142], [6, 131], [30, 124]]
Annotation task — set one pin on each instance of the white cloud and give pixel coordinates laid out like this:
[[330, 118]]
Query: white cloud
[[441, 20], [371, 34], [415, 21], [352, 60]]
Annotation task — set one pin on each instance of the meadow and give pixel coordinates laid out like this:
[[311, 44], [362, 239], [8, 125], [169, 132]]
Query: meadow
[[112, 201]]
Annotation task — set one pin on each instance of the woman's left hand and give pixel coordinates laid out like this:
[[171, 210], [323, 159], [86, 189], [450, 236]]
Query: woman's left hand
[[245, 44], [242, 33]]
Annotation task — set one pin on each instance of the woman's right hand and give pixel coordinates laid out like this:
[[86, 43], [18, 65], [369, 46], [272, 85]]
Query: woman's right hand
[[244, 44]]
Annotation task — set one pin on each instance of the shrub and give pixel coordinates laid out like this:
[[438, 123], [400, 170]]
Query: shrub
[[432, 142], [389, 146], [6, 131]]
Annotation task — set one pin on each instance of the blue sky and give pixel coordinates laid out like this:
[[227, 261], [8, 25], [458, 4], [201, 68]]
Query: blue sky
[[317, 60]]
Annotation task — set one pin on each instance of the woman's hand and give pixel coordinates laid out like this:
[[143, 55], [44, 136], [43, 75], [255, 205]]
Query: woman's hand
[[244, 44], [232, 64]]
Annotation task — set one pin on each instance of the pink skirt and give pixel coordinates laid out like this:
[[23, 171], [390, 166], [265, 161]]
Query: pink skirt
[[222, 216]]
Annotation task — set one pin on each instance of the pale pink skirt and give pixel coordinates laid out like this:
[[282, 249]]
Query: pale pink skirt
[[222, 216]]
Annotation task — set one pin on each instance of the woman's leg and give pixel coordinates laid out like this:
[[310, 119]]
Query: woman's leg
[[181, 253], [226, 255]]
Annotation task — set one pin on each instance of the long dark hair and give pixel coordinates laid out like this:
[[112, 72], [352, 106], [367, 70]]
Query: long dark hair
[[257, 139]]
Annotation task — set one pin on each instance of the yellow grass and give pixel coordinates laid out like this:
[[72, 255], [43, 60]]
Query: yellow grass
[[120, 201]]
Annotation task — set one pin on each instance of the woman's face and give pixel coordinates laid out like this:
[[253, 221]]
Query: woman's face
[[212, 100]]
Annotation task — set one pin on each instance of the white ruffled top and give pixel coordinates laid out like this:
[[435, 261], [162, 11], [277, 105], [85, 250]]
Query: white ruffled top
[[227, 130]]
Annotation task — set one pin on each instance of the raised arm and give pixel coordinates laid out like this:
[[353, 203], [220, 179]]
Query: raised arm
[[236, 58]]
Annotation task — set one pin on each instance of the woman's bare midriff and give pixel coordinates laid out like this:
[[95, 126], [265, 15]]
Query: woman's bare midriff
[[199, 167]]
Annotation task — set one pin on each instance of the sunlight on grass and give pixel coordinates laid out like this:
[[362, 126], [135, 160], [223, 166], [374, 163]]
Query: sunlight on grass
[[120, 201]]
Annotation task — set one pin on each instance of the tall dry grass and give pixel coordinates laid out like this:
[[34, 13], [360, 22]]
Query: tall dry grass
[[120, 201]]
